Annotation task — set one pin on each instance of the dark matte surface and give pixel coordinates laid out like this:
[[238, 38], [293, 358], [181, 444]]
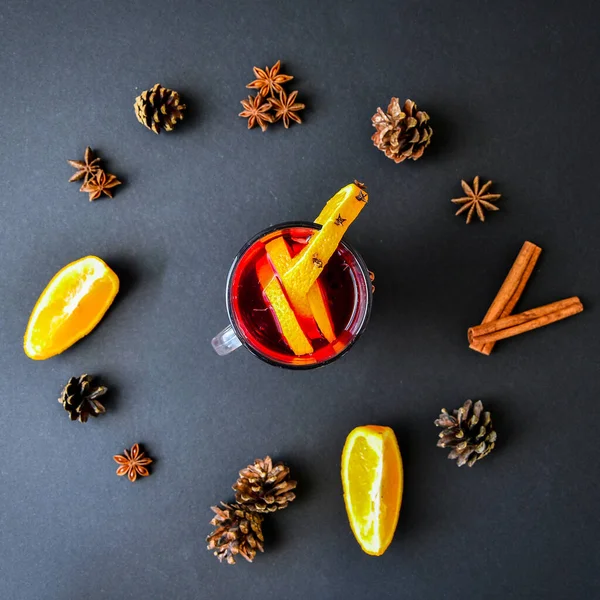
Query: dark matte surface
[[512, 89]]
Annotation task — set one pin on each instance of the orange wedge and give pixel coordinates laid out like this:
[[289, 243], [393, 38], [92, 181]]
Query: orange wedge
[[70, 307], [372, 478], [284, 315], [335, 218], [314, 303]]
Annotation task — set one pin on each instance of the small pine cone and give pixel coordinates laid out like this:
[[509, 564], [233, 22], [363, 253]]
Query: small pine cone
[[469, 433], [401, 132], [79, 398], [264, 487], [238, 531], [159, 108]]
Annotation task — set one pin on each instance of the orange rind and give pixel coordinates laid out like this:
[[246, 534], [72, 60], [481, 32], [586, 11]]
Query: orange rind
[[335, 218], [314, 304], [291, 284], [317, 300], [284, 315]]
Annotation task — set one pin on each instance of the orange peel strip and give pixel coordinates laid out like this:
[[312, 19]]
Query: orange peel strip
[[331, 209], [315, 302], [284, 315], [335, 218], [317, 299]]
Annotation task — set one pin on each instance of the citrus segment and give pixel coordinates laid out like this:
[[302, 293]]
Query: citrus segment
[[336, 217], [372, 479], [70, 306], [284, 315], [314, 304]]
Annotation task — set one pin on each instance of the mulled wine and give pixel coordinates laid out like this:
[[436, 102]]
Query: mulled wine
[[344, 299]]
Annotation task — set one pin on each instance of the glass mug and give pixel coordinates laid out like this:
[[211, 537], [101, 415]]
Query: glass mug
[[346, 284]]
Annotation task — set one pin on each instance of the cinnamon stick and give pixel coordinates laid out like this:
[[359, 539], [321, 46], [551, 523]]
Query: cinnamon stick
[[510, 292], [509, 326]]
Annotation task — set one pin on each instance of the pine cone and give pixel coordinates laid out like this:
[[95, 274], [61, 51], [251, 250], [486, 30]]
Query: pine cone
[[159, 108], [238, 531], [264, 487], [401, 133], [469, 433], [79, 398]]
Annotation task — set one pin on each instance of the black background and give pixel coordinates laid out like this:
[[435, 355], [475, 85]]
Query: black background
[[512, 89]]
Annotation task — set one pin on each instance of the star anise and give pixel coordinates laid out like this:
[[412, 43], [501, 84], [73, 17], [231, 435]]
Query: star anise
[[286, 108], [476, 199], [269, 80], [256, 111], [100, 183], [86, 168], [132, 463], [339, 220]]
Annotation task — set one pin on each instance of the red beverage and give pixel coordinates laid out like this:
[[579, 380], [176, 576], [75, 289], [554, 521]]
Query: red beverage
[[346, 290]]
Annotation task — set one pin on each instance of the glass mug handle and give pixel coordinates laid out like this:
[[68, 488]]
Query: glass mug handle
[[225, 342]]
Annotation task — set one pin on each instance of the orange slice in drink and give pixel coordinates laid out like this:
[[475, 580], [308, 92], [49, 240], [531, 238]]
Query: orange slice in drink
[[335, 218], [291, 284], [373, 481], [317, 300], [70, 307], [284, 315], [314, 304]]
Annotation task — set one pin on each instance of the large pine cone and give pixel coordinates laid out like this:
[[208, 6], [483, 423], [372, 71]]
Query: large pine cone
[[401, 133], [79, 398], [264, 487], [468, 432], [159, 108], [238, 531]]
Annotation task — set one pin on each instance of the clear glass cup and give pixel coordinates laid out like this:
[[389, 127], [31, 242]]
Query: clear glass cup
[[349, 290]]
